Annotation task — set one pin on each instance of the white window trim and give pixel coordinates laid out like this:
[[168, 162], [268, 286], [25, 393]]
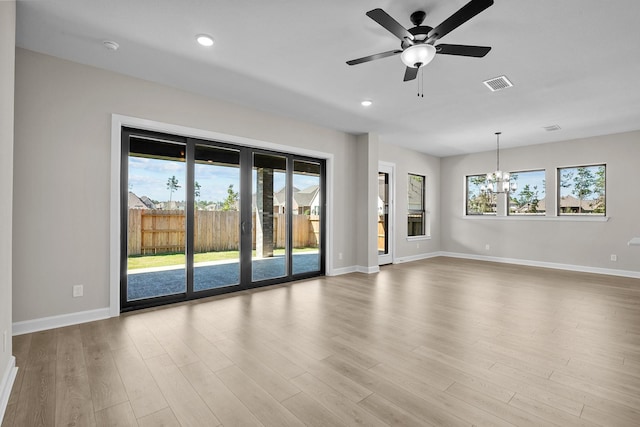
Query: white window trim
[[118, 121]]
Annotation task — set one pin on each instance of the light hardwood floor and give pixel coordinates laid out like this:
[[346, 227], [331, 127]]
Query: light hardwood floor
[[436, 342]]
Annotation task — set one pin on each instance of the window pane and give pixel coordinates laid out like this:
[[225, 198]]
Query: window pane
[[528, 198], [216, 232], [307, 203], [415, 201], [582, 190], [478, 201], [156, 229], [383, 213], [269, 206]]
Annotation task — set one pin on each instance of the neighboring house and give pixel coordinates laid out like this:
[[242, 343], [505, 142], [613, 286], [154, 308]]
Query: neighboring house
[[570, 204], [280, 199], [171, 206], [136, 202], [307, 200], [148, 202]]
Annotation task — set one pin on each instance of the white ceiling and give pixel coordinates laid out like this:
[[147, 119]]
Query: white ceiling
[[574, 63]]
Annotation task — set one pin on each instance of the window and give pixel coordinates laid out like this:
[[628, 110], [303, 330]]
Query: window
[[528, 198], [581, 190], [415, 208], [478, 201]]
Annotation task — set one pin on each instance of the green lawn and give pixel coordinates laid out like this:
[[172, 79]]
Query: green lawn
[[163, 260]]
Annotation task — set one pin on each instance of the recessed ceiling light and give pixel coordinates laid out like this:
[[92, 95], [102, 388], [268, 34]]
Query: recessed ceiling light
[[204, 40], [366, 103], [110, 44]]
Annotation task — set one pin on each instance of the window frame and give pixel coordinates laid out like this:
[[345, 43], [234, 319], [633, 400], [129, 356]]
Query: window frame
[[531, 215], [492, 202], [559, 187], [422, 212]]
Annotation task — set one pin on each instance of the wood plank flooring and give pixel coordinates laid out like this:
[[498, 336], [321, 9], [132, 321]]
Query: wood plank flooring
[[435, 342]]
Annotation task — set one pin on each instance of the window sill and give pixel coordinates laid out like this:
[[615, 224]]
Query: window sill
[[414, 238], [568, 218]]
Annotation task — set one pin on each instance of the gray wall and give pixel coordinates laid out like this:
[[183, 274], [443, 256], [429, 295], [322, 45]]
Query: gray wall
[[406, 162], [366, 197], [7, 62], [550, 240], [62, 173]]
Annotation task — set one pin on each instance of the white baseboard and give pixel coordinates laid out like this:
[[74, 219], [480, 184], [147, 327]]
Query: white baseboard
[[45, 323], [557, 266], [6, 384], [401, 260], [367, 270], [354, 269], [341, 271]]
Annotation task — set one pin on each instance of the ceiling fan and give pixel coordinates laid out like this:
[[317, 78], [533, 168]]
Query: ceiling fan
[[417, 44]]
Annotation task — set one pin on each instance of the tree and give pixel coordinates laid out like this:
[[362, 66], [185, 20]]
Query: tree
[[599, 189], [583, 185], [172, 185], [481, 201], [229, 203], [529, 197], [566, 182]]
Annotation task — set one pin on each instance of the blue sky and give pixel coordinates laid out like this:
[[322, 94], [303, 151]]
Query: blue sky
[[532, 178], [148, 177]]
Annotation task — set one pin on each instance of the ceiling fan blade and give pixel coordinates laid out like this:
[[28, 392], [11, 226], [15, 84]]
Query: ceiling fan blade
[[463, 50], [390, 24], [372, 57], [467, 12], [410, 73]]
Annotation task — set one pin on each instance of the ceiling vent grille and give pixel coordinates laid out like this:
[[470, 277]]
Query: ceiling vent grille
[[551, 128], [498, 83]]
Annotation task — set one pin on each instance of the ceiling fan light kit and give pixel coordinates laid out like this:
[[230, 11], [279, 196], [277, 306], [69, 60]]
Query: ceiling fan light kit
[[418, 55], [417, 47]]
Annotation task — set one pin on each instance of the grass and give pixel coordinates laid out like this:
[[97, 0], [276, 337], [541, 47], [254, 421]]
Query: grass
[[163, 260]]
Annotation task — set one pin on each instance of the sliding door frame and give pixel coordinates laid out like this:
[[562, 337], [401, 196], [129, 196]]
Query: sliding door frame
[[245, 231]]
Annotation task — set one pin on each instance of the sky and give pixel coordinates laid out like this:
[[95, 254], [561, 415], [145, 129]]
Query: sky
[[148, 177]]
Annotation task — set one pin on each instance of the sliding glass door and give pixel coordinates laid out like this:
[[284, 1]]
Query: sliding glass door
[[156, 262], [216, 229], [201, 218], [307, 216]]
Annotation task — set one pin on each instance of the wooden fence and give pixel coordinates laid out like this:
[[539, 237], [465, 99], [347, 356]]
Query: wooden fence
[[159, 231]]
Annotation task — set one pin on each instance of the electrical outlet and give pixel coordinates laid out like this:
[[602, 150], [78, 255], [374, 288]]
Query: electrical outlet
[[78, 291], [418, 245], [487, 247], [614, 257], [340, 255]]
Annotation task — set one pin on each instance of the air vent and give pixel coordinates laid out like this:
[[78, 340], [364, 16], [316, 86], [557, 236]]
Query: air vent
[[551, 128], [498, 83]]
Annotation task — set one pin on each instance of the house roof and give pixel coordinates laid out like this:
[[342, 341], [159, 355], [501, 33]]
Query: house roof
[[135, 202], [305, 197], [573, 63], [565, 202]]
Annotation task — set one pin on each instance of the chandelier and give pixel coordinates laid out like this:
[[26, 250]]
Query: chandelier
[[498, 181]]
